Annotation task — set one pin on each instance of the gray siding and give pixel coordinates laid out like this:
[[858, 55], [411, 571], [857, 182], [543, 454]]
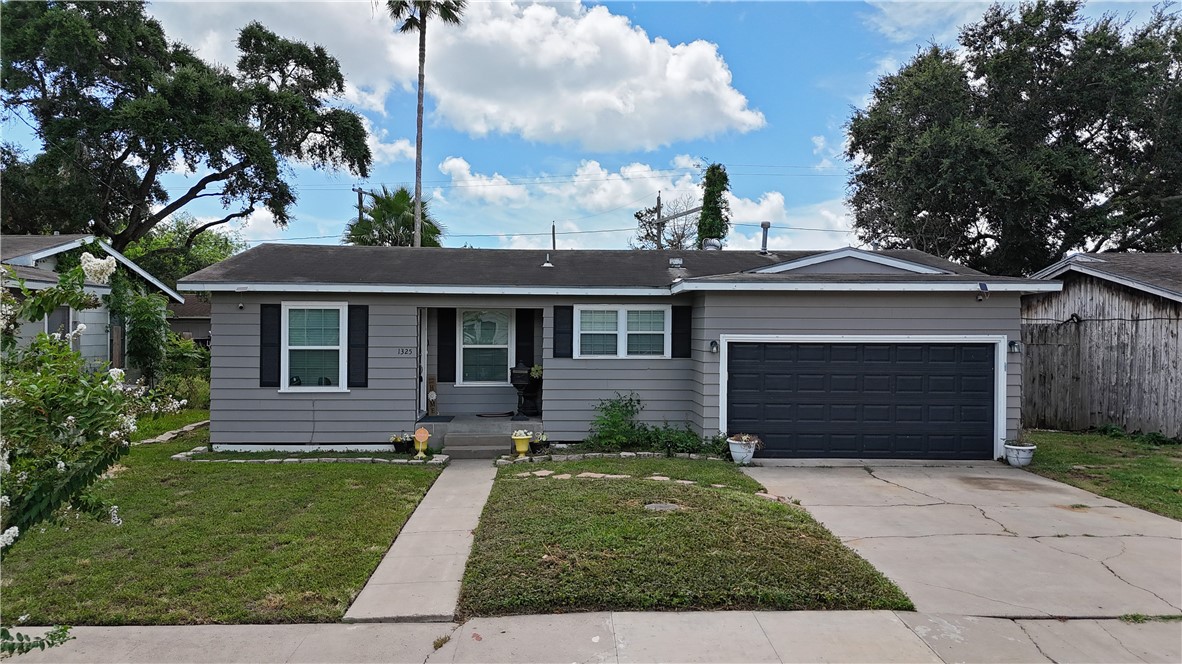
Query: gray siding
[[94, 344], [244, 413], [850, 313]]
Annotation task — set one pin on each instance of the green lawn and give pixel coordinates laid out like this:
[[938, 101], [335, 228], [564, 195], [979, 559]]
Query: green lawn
[[215, 543], [1123, 468], [555, 546], [305, 455], [151, 426]]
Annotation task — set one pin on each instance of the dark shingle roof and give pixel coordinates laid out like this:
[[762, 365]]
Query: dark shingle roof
[[324, 264], [1161, 271], [41, 275], [194, 307], [15, 246]]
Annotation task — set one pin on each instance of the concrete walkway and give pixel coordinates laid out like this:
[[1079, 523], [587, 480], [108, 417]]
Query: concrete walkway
[[419, 579], [739, 636]]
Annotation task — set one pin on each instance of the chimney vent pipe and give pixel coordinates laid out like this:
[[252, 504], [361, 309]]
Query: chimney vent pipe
[[765, 225]]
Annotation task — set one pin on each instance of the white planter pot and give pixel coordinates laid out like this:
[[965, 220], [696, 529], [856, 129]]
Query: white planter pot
[[741, 452], [1019, 456]]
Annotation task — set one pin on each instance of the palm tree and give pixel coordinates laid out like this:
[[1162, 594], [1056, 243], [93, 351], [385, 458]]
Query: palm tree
[[389, 221], [414, 15]]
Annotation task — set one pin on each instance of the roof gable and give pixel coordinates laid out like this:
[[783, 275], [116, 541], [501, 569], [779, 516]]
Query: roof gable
[[1159, 274], [26, 250], [850, 261]]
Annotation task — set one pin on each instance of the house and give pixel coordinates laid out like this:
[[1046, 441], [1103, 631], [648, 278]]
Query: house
[[1107, 349], [33, 258], [848, 353], [191, 320]]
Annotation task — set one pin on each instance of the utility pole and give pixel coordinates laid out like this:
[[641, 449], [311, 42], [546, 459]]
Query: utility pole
[[553, 236], [660, 225], [360, 192]]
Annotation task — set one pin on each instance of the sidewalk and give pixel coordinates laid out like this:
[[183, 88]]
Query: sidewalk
[[738, 636], [419, 578]]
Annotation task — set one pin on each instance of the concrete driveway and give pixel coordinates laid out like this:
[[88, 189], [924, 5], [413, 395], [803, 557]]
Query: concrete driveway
[[992, 540]]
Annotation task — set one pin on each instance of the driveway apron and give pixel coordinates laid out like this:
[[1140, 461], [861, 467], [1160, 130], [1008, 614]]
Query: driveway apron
[[992, 540]]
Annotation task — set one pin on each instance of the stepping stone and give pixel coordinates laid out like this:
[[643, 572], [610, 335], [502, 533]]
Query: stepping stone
[[523, 474], [543, 473], [718, 486], [627, 455], [659, 478], [662, 507], [564, 476], [593, 476], [616, 477], [685, 481]]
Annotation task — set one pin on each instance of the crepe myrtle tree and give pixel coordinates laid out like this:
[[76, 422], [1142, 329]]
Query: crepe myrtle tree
[[65, 422]]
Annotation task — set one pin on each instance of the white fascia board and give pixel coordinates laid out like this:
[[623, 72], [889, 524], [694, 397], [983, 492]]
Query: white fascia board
[[396, 289], [1054, 270], [1124, 281], [142, 272], [29, 260], [947, 287], [850, 252]]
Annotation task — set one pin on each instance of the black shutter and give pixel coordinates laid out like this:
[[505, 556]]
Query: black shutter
[[358, 371], [564, 331], [445, 329], [525, 337], [270, 318], [683, 324]]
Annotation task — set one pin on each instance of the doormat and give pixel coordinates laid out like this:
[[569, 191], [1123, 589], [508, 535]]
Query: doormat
[[507, 413], [437, 418]]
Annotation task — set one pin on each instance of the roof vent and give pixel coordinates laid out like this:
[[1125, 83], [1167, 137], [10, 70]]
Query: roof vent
[[676, 262], [765, 225], [547, 263], [712, 244]]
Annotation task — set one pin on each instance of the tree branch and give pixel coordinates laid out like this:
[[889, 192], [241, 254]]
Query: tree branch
[[192, 237], [196, 190]]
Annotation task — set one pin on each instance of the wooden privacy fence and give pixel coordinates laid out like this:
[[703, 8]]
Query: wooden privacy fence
[[1084, 373]]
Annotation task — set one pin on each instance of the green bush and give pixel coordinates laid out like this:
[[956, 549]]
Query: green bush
[[615, 429], [194, 390], [183, 357]]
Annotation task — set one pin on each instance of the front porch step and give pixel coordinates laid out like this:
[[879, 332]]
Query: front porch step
[[456, 440], [476, 451]]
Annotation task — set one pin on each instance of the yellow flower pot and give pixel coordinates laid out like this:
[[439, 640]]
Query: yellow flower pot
[[521, 445]]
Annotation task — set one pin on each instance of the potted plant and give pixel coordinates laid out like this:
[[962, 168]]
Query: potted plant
[[521, 440], [743, 446], [1019, 452], [532, 405], [402, 442], [538, 442]]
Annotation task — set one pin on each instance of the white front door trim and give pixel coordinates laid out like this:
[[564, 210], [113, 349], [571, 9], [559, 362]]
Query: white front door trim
[[999, 341]]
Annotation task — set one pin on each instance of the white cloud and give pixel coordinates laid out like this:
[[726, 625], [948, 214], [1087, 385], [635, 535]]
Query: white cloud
[[383, 151], [597, 189], [919, 22], [494, 188], [687, 162], [786, 233], [562, 73]]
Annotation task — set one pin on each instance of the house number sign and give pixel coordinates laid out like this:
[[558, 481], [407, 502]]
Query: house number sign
[[405, 350]]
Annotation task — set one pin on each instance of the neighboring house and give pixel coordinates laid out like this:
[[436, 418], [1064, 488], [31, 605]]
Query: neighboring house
[[849, 353], [1107, 349], [191, 320], [33, 258]]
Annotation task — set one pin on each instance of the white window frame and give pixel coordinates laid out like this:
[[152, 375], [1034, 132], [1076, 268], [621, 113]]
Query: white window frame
[[342, 348], [512, 347], [622, 330]]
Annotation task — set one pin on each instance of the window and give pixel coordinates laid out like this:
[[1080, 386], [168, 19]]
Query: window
[[622, 331], [484, 346], [314, 346]]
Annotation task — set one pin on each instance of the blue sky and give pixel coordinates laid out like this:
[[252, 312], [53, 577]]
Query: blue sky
[[579, 113]]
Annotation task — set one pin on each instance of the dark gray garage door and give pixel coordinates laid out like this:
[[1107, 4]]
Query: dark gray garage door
[[872, 401]]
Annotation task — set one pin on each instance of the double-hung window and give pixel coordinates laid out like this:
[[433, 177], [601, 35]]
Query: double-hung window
[[622, 331], [485, 346], [314, 349]]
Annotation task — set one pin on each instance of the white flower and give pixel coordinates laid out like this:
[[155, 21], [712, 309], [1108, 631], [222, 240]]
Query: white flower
[[115, 374], [522, 433], [61, 466], [23, 618], [115, 516], [56, 336], [77, 331], [98, 270], [9, 536], [5, 501], [431, 396]]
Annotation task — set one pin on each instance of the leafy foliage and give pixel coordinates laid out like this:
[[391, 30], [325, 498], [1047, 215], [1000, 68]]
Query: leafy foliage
[[15, 643], [677, 233], [118, 106], [166, 253], [1042, 135], [715, 218], [147, 334], [415, 14], [615, 429], [388, 221]]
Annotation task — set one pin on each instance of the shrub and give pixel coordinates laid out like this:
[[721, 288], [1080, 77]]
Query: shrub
[[615, 427], [183, 357], [192, 389]]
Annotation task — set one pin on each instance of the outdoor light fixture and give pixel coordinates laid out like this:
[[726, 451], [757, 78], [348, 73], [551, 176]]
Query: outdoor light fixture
[[983, 294], [1015, 347], [713, 346]]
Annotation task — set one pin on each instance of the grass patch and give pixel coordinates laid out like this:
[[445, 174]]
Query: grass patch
[[151, 426], [555, 546], [215, 543], [306, 455], [1125, 468]]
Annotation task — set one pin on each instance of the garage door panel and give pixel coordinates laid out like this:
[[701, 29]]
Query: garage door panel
[[923, 401]]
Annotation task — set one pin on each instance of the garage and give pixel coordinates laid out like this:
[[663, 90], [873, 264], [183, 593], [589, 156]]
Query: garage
[[915, 398]]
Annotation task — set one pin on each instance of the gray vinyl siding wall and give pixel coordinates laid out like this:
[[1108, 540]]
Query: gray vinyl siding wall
[[836, 313], [242, 413], [474, 399]]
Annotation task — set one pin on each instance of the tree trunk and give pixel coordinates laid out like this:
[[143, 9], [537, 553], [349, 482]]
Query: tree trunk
[[418, 236]]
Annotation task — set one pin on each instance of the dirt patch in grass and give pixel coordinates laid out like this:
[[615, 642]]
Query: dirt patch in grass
[[554, 546], [1124, 468]]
